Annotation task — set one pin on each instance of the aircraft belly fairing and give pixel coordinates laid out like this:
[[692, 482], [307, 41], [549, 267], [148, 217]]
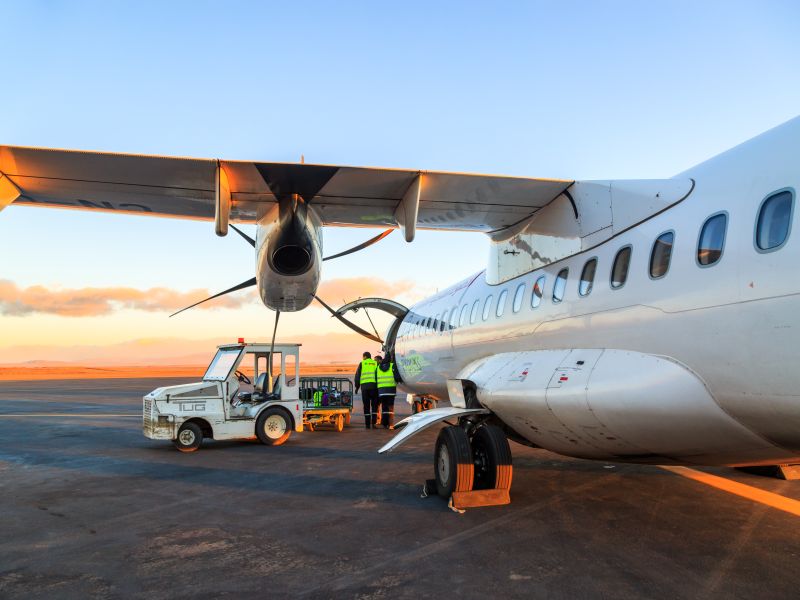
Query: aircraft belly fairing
[[613, 404]]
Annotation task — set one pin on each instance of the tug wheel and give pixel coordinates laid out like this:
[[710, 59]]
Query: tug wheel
[[452, 462], [189, 437], [273, 427], [491, 456]]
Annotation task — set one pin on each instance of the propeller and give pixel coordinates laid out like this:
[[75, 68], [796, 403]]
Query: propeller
[[352, 326], [366, 244], [236, 288], [253, 281]]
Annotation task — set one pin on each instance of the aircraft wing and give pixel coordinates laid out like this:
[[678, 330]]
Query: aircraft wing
[[194, 188]]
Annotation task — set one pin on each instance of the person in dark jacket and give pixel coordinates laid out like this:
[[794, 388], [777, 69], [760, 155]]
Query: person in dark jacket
[[366, 379], [377, 408], [387, 378]]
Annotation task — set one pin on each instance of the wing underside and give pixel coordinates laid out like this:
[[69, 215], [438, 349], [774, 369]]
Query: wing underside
[[346, 196]]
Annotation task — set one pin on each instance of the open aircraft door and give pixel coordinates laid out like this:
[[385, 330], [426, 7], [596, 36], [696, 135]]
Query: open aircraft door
[[397, 310]]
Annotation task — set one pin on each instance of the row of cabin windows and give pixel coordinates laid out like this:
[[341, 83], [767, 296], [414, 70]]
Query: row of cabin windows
[[772, 230]]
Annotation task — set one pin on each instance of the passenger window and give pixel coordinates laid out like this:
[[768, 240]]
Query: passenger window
[[487, 307], [443, 322], [453, 315], [712, 240], [560, 285], [661, 254], [463, 317], [428, 323], [538, 292], [587, 277], [774, 221], [501, 304], [518, 295], [435, 325], [619, 273], [473, 315]]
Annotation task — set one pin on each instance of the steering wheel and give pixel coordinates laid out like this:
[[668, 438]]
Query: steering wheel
[[242, 377]]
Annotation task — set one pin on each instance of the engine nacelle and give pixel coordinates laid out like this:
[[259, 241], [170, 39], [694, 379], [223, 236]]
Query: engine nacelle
[[289, 255]]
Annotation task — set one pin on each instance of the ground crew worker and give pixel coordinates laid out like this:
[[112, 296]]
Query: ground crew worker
[[387, 377], [377, 407], [366, 379]]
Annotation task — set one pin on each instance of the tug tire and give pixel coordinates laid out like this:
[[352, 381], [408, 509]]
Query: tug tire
[[273, 426]]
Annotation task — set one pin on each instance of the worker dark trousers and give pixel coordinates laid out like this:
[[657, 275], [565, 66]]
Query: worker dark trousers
[[369, 396], [387, 403]]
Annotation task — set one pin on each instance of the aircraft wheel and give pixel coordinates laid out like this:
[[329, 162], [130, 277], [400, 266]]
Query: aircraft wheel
[[273, 427], [491, 456], [189, 438], [452, 462]]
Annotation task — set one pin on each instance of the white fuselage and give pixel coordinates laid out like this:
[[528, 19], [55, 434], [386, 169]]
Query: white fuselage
[[721, 343]]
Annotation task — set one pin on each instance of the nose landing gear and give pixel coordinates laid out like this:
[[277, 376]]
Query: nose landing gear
[[473, 470]]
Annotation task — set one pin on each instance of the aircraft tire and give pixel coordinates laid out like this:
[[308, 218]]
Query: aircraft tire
[[189, 437], [273, 426], [452, 462], [491, 456]]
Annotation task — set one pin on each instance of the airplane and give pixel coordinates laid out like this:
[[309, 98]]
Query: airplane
[[644, 321]]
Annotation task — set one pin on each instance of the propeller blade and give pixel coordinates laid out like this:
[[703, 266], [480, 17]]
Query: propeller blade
[[250, 240], [352, 326], [241, 286], [366, 244]]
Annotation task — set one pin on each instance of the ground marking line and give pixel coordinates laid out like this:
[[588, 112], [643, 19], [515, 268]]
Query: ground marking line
[[739, 489], [79, 415]]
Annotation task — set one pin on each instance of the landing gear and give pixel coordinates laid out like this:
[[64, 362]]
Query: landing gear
[[473, 467], [492, 459], [452, 462]]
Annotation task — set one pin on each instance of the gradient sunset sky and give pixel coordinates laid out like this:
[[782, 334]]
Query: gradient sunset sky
[[573, 90]]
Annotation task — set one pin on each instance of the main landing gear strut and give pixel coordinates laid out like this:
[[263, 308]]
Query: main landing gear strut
[[472, 466]]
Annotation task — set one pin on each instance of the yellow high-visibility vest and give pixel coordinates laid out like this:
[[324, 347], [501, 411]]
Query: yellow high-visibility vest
[[368, 368], [386, 378]]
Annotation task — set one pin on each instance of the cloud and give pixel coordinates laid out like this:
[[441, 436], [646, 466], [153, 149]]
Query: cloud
[[98, 301], [90, 302], [351, 288]]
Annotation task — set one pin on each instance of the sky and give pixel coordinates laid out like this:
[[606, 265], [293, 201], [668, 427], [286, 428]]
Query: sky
[[572, 90]]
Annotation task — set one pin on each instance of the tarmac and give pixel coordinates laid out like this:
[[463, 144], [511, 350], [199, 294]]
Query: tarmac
[[90, 508]]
